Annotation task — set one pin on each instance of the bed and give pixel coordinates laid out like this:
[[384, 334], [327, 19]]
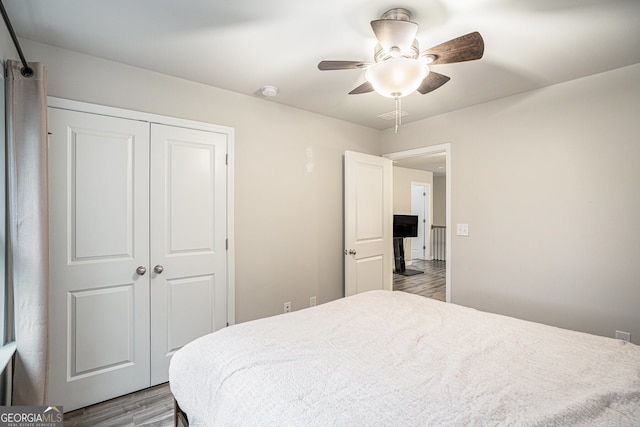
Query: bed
[[384, 358]]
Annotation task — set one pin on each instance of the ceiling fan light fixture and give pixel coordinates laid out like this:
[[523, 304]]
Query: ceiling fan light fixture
[[395, 78]]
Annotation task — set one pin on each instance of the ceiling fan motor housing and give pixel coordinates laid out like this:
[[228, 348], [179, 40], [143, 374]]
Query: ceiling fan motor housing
[[396, 36], [381, 54], [398, 14]]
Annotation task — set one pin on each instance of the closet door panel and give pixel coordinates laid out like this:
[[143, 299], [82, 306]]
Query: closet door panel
[[103, 329], [188, 238], [99, 236], [101, 194], [189, 198], [187, 321]]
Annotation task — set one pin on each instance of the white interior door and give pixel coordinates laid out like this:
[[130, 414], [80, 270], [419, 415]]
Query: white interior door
[[99, 222], [368, 214], [420, 206], [188, 239]]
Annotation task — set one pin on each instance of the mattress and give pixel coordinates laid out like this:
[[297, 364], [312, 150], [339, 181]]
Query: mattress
[[386, 358]]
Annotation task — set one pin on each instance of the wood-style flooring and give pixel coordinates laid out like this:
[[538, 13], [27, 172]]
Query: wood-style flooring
[[153, 407], [431, 284]]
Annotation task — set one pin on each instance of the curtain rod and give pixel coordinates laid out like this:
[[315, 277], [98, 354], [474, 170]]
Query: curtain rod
[[26, 70]]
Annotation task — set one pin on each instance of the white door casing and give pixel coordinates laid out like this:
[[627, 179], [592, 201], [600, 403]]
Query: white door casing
[[99, 211], [368, 214], [188, 234]]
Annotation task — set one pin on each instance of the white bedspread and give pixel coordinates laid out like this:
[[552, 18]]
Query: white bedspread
[[393, 359]]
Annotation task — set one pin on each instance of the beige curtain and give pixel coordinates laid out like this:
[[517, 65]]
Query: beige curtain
[[28, 228]]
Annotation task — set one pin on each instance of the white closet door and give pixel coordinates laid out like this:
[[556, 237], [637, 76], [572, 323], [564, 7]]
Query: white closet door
[[99, 221], [188, 239]]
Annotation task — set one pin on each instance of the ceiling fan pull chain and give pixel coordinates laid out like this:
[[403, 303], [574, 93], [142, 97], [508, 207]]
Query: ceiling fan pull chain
[[398, 114]]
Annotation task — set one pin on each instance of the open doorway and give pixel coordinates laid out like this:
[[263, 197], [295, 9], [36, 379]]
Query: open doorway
[[437, 265]]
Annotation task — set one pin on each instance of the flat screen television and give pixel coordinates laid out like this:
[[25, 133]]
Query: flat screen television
[[405, 226]]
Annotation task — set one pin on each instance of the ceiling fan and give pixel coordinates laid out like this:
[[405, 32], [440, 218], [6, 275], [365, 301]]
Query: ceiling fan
[[399, 68]]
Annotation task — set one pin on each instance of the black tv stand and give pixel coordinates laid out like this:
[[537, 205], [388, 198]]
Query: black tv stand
[[398, 252]]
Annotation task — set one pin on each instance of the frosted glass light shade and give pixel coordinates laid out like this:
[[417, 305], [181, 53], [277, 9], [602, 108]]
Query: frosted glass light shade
[[395, 78]]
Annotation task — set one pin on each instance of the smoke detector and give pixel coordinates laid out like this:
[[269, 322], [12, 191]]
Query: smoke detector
[[269, 90]]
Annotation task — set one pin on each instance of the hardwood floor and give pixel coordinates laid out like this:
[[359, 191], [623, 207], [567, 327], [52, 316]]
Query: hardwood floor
[[152, 407], [431, 284]]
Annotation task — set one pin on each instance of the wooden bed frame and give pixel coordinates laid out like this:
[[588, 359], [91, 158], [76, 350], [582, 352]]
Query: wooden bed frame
[[179, 416]]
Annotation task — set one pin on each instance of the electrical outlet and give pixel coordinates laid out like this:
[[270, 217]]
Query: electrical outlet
[[624, 336], [312, 301], [287, 307]]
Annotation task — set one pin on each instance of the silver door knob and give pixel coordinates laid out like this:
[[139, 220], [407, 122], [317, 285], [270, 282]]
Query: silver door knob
[[352, 251], [141, 270], [158, 269]]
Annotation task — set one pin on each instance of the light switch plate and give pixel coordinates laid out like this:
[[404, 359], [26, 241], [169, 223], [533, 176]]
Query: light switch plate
[[462, 230]]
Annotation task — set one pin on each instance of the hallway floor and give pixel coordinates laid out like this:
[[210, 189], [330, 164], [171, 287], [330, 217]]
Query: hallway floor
[[431, 284]]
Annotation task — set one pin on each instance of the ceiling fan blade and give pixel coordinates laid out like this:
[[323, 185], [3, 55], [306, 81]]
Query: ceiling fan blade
[[342, 65], [393, 32], [363, 88], [463, 48], [432, 82]]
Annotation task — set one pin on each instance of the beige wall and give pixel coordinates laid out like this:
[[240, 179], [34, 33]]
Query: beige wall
[[7, 50], [548, 183], [440, 200], [288, 217], [402, 179]]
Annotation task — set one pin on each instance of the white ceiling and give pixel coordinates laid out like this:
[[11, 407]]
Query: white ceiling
[[435, 163], [241, 45]]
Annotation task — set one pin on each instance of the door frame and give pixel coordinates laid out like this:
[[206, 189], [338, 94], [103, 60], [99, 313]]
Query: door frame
[[434, 149], [67, 104]]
